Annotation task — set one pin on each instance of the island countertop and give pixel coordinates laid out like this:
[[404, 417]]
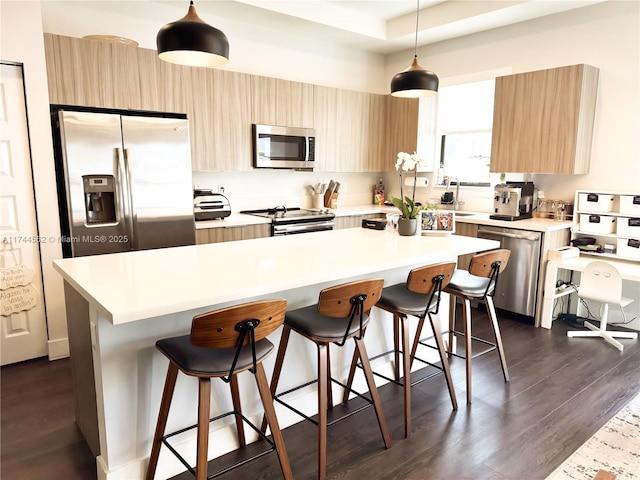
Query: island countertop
[[132, 286], [119, 305]]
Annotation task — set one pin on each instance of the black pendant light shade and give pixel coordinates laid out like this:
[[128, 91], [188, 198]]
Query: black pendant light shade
[[415, 81], [192, 42]]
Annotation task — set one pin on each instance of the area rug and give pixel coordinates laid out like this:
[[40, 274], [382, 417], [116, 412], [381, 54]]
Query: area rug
[[614, 448]]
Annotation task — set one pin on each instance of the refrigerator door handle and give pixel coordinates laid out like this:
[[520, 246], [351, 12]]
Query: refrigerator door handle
[[124, 180]]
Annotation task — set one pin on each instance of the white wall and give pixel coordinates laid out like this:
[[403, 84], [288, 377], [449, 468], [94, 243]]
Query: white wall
[[21, 41], [607, 36], [281, 54]]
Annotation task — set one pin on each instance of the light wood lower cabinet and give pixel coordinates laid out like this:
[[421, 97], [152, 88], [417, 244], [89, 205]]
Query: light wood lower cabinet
[[232, 233], [352, 221]]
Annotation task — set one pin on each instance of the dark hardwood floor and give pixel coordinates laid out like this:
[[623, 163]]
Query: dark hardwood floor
[[561, 392]]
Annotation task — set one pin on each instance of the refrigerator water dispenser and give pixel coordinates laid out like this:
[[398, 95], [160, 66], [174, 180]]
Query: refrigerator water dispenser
[[99, 199]]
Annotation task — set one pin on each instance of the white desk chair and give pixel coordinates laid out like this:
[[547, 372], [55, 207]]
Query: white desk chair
[[602, 282]]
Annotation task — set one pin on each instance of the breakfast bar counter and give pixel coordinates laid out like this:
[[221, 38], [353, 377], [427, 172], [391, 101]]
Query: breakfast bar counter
[[119, 305]]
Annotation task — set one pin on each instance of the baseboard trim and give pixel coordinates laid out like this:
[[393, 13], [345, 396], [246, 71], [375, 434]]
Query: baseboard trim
[[58, 348]]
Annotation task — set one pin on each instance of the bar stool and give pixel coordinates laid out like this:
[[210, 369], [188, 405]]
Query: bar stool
[[222, 344], [418, 297], [477, 283], [342, 313]]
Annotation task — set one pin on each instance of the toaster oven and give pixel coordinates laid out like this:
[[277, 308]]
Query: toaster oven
[[210, 206]]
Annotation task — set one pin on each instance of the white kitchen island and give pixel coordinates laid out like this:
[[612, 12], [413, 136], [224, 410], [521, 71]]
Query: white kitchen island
[[118, 305]]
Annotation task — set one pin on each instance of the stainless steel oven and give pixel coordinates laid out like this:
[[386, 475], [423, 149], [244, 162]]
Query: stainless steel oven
[[292, 221]]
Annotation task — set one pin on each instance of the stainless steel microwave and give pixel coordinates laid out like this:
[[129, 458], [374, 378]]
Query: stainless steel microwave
[[284, 147]]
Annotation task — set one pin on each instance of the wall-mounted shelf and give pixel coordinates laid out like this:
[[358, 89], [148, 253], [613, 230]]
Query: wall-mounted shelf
[[612, 218]]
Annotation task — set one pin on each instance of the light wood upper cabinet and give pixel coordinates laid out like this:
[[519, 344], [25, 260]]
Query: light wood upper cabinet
[[543, 121], [355, 131], [220, 109], [350, 129], [281, 102], [401, 119], [217, 102], [91, 73]]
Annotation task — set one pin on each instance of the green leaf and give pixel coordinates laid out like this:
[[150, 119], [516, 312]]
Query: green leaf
[[408, 208]]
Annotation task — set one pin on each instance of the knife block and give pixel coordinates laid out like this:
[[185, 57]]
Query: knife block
[[331, 201]]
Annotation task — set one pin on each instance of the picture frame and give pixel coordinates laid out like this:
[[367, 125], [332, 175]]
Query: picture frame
[[437, 222]]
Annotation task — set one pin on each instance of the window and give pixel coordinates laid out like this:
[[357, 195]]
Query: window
[[465, 119], [467, 156]]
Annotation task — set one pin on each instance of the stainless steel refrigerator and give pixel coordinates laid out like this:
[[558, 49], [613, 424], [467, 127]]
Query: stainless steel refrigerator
[[124, 180]]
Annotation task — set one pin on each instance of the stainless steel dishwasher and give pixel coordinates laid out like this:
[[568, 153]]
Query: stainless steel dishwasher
[[518, 284]]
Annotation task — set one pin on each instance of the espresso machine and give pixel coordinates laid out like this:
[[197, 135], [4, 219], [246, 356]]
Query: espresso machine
[[513, 201]]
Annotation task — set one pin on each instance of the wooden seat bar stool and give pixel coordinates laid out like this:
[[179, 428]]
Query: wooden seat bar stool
[[477, 283], [419, 297], [222, 344], [341, 314]]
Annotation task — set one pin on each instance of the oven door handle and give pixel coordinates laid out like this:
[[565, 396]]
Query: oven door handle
[[303, 227]]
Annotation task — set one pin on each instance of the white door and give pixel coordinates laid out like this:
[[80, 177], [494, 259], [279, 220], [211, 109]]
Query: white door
[[24, 330]]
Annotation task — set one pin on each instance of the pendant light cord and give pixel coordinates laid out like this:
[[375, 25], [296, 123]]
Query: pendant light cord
[[415, 50]]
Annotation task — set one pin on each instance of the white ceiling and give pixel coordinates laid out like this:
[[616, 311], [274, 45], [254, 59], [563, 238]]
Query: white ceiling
[[382, 26], [385, 26]]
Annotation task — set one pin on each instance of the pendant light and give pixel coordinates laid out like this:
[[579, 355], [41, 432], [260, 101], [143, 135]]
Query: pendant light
[[415, 81], [192, 42]]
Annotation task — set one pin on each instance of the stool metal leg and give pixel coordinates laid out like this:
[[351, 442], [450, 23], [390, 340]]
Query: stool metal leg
[[165, 404], [396, 347], [467, 343], [329, 382], [202, 449], [496, 331], [452, 322], [237, 407], [406, 373], [270, 416]]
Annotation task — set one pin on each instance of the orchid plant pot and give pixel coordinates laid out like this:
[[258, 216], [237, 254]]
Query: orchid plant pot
[[407, 226]]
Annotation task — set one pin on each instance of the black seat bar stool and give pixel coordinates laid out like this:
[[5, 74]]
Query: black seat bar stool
[[222, 344], [342, 313], [418, 297], [477, 283]]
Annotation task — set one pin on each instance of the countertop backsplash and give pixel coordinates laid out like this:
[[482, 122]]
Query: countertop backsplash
[[268, 188]]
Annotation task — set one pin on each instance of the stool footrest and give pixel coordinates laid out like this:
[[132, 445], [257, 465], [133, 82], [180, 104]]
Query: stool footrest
[[477, 339], [272, 445], [399, 382], [368, 401]]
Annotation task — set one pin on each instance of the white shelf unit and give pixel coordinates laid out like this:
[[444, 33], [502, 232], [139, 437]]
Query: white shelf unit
[[622, 209]]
